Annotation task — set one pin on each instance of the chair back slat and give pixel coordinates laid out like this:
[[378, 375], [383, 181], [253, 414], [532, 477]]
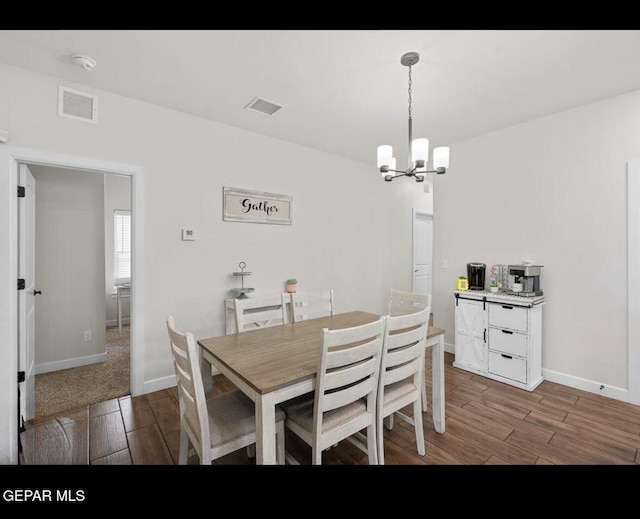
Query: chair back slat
[[260, 312], [311, 305], [401, 302]]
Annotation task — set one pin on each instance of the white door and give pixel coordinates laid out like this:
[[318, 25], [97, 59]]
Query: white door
[[471, 334], [422, 252], [26, 297]]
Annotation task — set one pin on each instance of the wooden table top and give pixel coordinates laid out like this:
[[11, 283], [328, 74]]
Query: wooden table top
[[268, 359]]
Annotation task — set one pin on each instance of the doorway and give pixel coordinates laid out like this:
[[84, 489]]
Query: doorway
[[422, 252], [79, 360], [10, 316]]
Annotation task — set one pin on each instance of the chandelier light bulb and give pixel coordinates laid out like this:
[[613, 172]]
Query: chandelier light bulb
[[385, 154], [420, 152], [441, 157]]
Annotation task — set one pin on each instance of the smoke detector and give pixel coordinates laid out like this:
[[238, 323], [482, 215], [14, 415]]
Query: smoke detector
[[85, 62]]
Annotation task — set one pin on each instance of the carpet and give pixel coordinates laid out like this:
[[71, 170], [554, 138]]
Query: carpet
[[66, 389]]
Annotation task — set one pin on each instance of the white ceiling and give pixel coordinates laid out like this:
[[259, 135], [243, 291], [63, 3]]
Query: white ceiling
[[345, 91]]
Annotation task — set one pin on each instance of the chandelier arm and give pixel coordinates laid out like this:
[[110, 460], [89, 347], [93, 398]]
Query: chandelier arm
[[386, 169], [400, 174]]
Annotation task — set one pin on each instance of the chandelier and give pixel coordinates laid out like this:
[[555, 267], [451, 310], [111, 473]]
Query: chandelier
[[418, 148]]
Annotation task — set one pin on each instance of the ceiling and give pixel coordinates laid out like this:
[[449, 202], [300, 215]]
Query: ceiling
[[345, 91]]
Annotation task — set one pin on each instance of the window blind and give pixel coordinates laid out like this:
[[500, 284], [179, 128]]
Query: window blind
[[122, 246]]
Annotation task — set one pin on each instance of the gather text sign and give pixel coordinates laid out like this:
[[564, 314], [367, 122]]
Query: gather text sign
[[241, 205]]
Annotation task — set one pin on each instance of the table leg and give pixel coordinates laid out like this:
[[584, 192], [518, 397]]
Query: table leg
[[119, 296], [425, 404], [437, 372], [205, 370], [265, 430]]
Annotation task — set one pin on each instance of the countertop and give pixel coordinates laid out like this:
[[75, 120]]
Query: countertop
[[503, 297]]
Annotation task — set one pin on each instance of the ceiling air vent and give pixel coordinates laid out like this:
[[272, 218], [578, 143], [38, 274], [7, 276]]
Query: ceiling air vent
[[262, 106], [77, 105]]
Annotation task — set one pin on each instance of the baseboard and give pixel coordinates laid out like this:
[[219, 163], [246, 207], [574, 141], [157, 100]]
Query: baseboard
[[70, 363], [158, 384], [617, 393], [450, 348], [591, 386], [114, 322]]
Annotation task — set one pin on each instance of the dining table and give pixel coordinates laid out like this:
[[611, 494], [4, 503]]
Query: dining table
[[277, 363]]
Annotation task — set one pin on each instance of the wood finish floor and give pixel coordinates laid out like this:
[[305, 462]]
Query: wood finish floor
[[487, 423]]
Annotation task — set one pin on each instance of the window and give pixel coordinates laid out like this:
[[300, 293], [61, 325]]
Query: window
[[121, 247]]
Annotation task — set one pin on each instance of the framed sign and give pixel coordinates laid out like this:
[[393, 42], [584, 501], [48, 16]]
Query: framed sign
[[241, 205]]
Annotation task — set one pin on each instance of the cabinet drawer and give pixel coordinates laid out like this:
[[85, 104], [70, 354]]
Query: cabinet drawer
[[514, 368], [507, 341], [508, 316]]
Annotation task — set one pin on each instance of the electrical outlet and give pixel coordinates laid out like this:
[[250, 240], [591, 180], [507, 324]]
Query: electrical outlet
[[444, 264], [188, 235], [87, 335]]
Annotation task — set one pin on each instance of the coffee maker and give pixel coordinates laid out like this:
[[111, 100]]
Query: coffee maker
[[475, 275], [529, 277]]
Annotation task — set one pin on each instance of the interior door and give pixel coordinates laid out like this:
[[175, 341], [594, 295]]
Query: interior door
[[27, 296], [422, 252]]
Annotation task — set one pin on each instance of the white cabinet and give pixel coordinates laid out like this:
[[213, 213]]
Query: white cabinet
[[471, 329], [500, 336]]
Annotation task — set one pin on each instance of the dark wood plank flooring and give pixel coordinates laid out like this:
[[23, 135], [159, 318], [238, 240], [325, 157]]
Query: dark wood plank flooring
[[487, 423]]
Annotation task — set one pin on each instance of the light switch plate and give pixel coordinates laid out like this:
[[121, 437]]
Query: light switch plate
[[188, 235]]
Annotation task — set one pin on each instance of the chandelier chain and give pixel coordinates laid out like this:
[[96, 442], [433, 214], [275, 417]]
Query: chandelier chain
[[409, 92]]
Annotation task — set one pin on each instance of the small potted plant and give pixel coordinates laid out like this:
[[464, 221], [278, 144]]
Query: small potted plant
[[494, 287], [292, 284], [462, 283]]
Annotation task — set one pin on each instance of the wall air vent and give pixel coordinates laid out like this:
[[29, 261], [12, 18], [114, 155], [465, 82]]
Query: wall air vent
[[262, 106], [77, 105]]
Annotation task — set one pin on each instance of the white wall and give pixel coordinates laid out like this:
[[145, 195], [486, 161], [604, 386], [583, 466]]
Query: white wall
[[117, 195], [351, 231], [554, 187], [69, 268]]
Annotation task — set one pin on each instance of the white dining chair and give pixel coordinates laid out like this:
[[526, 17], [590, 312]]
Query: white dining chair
[[344, 400], [220, 424], [402, 375], [311, 305], [402, 302], [260, 312]]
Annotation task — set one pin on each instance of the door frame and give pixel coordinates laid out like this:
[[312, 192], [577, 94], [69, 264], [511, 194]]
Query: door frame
[[10, 158], [633, 281]]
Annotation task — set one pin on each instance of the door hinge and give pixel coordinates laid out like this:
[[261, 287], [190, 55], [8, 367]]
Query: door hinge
[[21, 376], [21, 192], [21, 284]]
